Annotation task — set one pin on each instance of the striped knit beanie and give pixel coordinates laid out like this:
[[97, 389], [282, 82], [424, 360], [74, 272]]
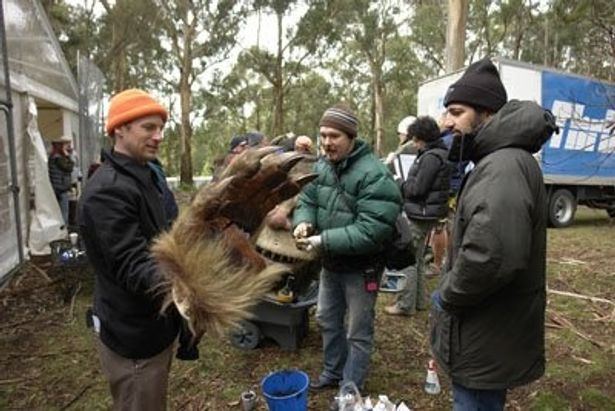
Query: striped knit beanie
[[342, 118]]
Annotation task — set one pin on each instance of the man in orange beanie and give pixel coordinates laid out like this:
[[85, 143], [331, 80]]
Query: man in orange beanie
[[120, 212]]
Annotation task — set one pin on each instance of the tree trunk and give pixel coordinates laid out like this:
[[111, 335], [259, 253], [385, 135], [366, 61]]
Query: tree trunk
[[278, 87], [378, 108], [185, 150], [456, 34]]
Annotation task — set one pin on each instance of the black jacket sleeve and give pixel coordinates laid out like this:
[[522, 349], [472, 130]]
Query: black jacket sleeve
[[418, 186], [112, 217]]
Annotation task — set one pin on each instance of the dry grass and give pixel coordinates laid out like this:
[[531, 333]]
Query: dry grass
[[48, 362]]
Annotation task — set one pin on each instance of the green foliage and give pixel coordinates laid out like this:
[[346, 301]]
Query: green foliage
[[343, 50]]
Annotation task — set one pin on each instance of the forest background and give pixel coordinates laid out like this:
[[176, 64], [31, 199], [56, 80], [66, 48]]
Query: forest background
[[370, 54]]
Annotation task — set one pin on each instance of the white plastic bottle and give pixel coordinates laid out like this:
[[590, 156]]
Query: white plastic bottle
[[432, 382]]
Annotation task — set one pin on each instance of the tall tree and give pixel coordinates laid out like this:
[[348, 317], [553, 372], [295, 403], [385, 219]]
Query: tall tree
[[200, 33], [456, 34], [295, 44]]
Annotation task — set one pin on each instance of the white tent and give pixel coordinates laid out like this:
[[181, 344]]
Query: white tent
[[43, 104]]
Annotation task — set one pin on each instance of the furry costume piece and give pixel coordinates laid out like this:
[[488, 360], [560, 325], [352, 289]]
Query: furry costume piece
[[213, 272]]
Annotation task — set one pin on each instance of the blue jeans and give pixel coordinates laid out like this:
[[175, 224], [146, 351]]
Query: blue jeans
[[468, 399], [347, 345]]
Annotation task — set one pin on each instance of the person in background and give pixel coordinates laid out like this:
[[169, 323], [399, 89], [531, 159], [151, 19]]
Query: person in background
[[487, 315], [256, 139], [425, 192], [60, 166], [347, 214], [121, 211], [441, 234], [303, 144]]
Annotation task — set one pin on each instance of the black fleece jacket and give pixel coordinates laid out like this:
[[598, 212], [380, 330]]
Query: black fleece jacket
[[120, 213]]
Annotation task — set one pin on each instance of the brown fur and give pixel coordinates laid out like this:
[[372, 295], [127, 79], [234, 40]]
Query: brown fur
[[212, 271]]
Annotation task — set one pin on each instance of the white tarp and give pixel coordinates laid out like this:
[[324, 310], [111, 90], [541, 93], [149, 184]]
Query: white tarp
[[46, 222]]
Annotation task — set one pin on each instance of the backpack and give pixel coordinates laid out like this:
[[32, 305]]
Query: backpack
[[400, 253]]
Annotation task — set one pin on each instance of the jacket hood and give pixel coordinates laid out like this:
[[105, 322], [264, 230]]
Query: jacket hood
[[519, 124]]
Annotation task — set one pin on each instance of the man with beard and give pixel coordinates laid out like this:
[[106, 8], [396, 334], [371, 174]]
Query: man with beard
[[348, 213], [488, 311]]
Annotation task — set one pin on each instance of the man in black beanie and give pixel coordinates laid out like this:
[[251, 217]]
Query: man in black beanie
[[488, 311], [348, 213]]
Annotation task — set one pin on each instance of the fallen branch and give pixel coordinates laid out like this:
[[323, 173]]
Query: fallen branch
[[47, 354], [33, 319], [72, 301], [41, 272], [553, 325], [581, 296], [76, 397], [564, 322], [12, 381], [13, 293]]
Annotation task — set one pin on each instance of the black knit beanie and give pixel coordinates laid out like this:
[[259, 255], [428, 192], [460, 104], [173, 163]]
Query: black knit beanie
[[341, 118], [479, 86]]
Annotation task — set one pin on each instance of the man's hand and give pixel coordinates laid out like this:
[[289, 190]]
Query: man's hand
[[310, 243], [303, 230]]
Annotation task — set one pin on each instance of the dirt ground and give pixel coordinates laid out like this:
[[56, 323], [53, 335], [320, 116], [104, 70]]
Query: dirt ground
[[47, 359]]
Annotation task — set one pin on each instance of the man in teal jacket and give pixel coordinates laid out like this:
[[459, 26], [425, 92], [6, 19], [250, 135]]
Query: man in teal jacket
[[348, 213]]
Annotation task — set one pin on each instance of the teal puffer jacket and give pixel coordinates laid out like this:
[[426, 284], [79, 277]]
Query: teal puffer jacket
[[353, 204]]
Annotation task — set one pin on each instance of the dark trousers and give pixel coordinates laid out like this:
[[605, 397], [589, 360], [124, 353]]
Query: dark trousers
[[136, 384]]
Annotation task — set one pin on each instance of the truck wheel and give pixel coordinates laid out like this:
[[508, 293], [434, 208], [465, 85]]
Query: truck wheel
[[246, 336], [562, 206]]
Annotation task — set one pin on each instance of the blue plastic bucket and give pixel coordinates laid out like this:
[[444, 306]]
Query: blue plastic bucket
[[286, 390]]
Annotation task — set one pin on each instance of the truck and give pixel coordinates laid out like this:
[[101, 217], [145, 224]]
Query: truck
[[578, 164]]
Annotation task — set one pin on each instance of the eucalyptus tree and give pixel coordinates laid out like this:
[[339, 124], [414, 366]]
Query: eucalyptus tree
[[364, 33], [197, 35], [298, 45]]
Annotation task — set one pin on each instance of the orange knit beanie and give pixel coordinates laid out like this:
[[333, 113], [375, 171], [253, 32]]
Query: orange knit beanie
[[130, 105]]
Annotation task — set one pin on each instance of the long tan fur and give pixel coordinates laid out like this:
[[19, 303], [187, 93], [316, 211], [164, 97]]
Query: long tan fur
[[216, 294]]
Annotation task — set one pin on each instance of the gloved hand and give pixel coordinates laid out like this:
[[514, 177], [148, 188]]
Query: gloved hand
[[310, 243], [303, 230], [188, 348]]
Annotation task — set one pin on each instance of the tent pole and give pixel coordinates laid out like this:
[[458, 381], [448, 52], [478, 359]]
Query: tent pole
[[6, 105]]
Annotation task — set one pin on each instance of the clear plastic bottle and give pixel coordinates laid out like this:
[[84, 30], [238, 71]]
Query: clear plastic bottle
[[432, 382]]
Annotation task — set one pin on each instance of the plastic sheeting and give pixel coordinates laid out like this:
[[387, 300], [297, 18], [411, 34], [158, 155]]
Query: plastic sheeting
[[34, 52], [46, 222], [9, 246]]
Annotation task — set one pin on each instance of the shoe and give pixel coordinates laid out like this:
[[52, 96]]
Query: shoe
[[323, 383], [395, 310]]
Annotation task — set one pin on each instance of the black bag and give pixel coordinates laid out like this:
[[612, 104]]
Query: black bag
[[400, 254]]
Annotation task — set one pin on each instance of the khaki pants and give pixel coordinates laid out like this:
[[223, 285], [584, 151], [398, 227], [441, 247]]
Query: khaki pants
[[136, 385]]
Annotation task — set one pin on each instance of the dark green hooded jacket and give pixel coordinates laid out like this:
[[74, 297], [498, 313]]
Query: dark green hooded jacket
[[353, 204], [488, 330]]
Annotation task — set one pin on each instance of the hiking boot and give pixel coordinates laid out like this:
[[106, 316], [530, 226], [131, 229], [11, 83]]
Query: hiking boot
[[323, 383], [395, 310]]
